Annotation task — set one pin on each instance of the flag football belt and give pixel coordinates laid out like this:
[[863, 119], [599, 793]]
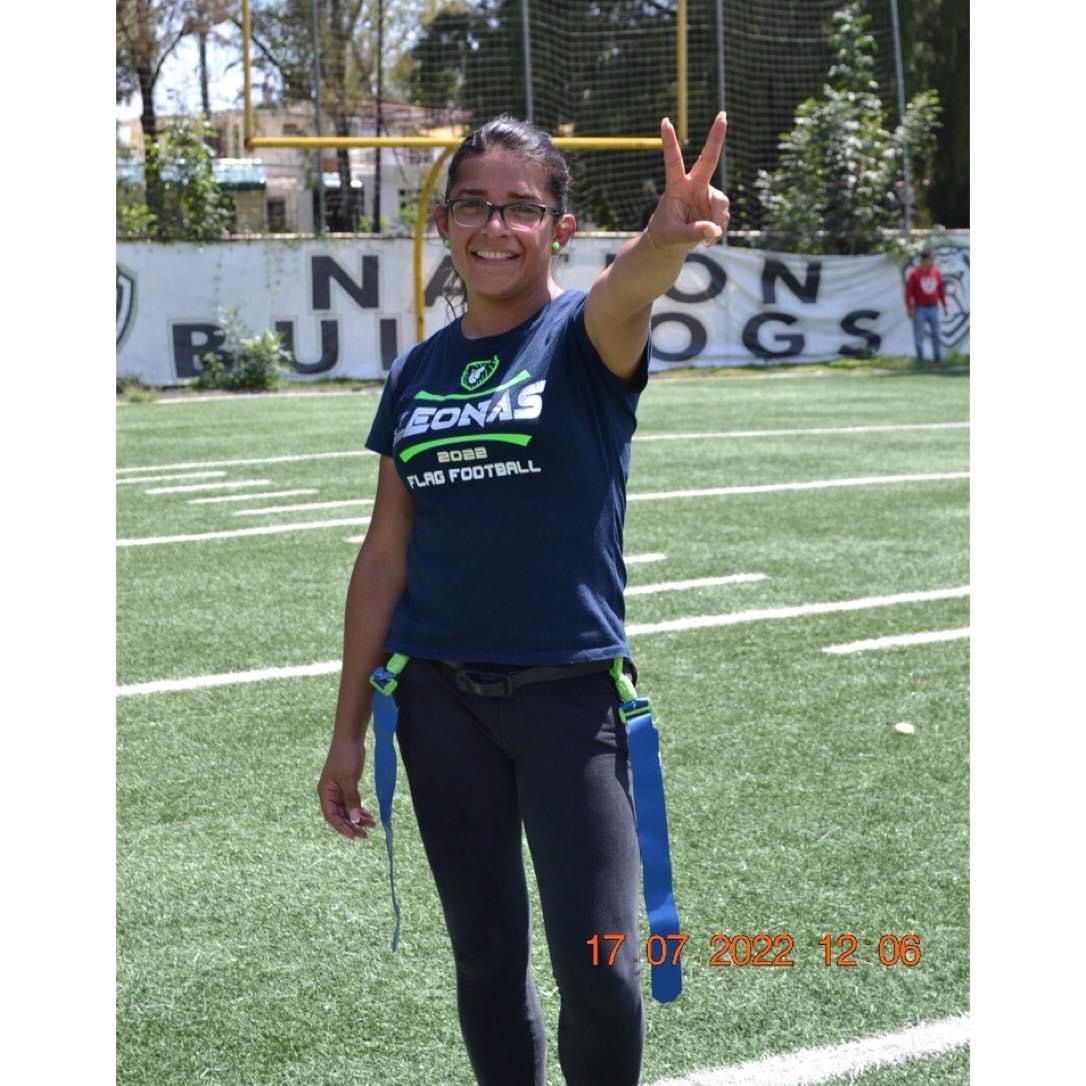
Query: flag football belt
[[648, 785]]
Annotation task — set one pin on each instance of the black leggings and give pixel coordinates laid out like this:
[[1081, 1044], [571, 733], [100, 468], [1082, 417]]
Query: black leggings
[[554, 757]]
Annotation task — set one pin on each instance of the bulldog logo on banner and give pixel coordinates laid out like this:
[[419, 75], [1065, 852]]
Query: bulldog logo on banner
[[126, 302]]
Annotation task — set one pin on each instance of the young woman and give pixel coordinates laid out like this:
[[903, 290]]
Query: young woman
[[493, 560]]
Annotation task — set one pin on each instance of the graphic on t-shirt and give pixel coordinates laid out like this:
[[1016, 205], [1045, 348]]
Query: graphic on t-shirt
[[478, 373], [496, 405]]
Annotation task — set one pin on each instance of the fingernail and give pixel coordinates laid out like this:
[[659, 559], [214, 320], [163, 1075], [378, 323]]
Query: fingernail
[[355, 816]]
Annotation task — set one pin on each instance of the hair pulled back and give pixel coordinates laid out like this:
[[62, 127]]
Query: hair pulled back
[[521, 138], [509, 134]]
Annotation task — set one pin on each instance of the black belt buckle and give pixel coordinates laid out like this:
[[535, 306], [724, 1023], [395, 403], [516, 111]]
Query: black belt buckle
[[484, 684]]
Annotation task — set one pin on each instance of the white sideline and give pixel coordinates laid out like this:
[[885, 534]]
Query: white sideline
[[631, 559], [303, 506], [807, 1066], [764, 488], [696, 622], [694, 582], [249, 497], [234, 533], [192, 488], [642, 437], [882, 429], [229, 678], [169, 478], [814, 484], [235, 398], [760, 614], [896, 640]]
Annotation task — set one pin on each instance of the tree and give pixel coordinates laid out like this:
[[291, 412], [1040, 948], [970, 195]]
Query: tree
[[838, 183], [148, 31], [352, 57], [192, 204], [935, 45], [204, 17]]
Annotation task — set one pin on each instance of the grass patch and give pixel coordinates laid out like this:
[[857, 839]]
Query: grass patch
[[252, 943]]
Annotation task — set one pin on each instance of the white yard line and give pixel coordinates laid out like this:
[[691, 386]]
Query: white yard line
[[268, 529], [193, 488], [805, 431], [301, 507], [760, 614], [633, 559], [765, 488], [249, 497], [695, 622], [814, 484], [808, 1066], [229, 678], [292, 459], [169, 478], [894, 641], [721, 434], [694, 582]]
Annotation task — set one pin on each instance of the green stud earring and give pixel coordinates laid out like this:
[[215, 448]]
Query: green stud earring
[[555, 247], [446, 243]]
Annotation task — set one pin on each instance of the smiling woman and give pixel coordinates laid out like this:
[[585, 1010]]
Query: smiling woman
[[492, 573]]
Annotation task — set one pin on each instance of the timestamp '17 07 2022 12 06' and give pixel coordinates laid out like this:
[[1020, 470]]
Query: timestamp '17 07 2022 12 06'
[[842, 949]]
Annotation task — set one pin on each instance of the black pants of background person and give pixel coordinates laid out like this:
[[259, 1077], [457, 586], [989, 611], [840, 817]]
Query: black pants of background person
[[552, 757]]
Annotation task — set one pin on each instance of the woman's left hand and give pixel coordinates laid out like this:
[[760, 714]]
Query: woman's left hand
[[690, 210]]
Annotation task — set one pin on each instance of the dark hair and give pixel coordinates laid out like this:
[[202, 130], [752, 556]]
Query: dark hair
[[925, 254], [523, 138]]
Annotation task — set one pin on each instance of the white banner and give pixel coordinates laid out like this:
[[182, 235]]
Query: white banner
[[345, 307]]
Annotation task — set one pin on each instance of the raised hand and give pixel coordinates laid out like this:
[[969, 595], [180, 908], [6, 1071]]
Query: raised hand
[[691, 209]]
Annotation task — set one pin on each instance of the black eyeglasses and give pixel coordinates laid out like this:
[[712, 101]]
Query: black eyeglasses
[[473, 213]]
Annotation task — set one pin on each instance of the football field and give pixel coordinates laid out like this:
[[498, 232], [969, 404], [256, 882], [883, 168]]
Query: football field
[[798, 608]]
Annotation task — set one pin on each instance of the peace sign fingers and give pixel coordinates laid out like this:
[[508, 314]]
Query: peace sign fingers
[[703, 170], [690, 210], [674, 168]]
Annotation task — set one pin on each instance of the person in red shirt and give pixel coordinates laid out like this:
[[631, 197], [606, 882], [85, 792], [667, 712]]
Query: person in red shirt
[[924, 293]]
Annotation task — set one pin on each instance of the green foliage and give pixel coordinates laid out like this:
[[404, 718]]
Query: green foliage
[[247, 360], [837, 186], [134, 218], [935, 44], [133, 390], [194, 206]]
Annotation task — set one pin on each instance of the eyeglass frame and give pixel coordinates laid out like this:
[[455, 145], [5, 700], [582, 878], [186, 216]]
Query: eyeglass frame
[[450, 206]]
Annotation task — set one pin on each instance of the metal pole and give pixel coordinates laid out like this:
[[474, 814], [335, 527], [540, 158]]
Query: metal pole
[[529, 101], [720, 84], [901, 114], [680, 72], [317, 98], [375, 226], [247, 74]]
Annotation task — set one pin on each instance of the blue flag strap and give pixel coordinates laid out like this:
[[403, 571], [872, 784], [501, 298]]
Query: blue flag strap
[[649, 807], [650, 810], [384, 681]]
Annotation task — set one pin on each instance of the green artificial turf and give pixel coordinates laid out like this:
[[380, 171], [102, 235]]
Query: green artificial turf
[[253, 943]]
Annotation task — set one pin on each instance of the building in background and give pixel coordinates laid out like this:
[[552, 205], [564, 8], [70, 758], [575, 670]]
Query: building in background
[[277, 191]]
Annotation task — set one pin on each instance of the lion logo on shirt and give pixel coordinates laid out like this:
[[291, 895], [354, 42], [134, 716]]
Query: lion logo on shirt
[[476, 374]]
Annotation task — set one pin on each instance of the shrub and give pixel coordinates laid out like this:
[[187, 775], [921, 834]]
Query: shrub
[[247, 360]]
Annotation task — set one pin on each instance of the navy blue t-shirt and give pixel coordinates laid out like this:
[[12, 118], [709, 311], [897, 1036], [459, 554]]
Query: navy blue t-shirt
[[516, 450]]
